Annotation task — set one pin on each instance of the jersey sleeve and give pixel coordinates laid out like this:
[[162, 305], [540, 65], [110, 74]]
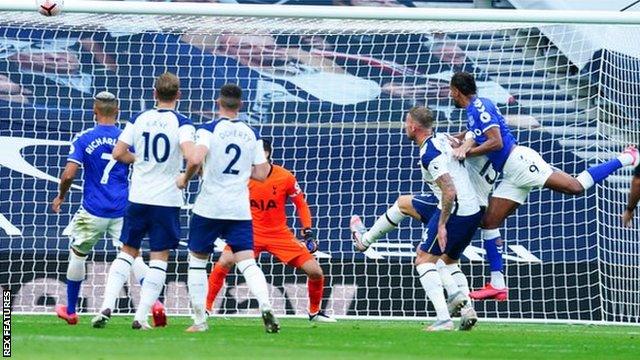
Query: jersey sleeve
[[203, 137], [186, 130], [127, 134], [485, 116], [297, 197], [76, 153], [259, 157], [434, 161]]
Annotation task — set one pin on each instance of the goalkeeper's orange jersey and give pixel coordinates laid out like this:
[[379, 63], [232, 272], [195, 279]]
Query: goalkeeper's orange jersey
[[268, 200]]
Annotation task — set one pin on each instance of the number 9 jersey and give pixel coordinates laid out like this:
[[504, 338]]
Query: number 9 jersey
[[156, 135], [234, 147]]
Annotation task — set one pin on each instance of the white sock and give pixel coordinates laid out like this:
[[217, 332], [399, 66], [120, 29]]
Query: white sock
[[385, 223], [459, 278], [497, 280], [76, 269], [198, 287], [151, 288], [432, 285], [447, 281], [585, 179], [118, 275], [254, 277], [140, 269]]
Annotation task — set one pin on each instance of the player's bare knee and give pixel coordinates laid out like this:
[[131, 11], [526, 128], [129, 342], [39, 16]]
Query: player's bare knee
[[226, 259], [312, 269], [575, 188], [405, 203], [130, 251]]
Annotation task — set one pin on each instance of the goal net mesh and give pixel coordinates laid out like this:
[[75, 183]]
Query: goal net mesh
[[331, 95]]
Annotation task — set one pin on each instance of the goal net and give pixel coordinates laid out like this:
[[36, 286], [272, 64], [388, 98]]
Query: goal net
[[331, 95]]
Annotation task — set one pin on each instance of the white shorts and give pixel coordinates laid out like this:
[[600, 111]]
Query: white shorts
[[524, 170], [86, 230]]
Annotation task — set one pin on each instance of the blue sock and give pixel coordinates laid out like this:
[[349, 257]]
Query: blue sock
[[494, 254], [73, 289], [600, 172]]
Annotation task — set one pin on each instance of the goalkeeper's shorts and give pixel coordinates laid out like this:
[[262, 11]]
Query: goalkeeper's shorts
[[85, 230], [284, 246]]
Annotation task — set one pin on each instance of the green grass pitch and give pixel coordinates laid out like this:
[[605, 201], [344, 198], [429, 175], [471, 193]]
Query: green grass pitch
[[46, 337]]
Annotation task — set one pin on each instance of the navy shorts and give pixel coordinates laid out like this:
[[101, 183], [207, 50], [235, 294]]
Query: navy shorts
[[161, 223], [425, 205], [203, 231], [460, 231]]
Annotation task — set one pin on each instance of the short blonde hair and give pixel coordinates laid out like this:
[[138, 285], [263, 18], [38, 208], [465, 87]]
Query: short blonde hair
[[167, 87]]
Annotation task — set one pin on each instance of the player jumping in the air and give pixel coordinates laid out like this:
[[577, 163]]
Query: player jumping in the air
[[158, 136], [104, 198], [450, 228], [634, 197], [231, 152], [523, 169], [271, 234]]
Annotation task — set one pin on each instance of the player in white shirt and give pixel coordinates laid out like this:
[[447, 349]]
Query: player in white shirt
[[231, 152], [449, 229], [158, 135]]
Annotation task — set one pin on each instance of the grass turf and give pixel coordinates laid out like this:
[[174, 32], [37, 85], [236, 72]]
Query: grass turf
[[46, 337]]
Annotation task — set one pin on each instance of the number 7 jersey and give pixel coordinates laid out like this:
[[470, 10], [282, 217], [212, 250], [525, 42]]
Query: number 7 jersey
[[156, 135], [234, 147]]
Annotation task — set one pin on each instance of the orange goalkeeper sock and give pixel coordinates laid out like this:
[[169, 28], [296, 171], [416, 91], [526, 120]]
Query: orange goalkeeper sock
[[216, 280], [315, 289]]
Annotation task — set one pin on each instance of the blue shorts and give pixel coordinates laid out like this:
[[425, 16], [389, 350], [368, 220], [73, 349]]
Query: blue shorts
[[460, 231], [203, 231], [425, 205], [162, 223]]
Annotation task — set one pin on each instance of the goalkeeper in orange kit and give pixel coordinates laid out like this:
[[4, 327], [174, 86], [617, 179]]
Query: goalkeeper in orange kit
[[271, 234]]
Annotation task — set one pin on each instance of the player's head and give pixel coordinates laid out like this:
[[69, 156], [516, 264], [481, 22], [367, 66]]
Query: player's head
[[418, 123], [167, 88], [105, 107], [266, 146], [230, 98], [462, 87]]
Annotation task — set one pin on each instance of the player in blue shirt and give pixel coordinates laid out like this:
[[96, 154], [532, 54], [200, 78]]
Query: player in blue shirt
[[523, 169], [104, 197]]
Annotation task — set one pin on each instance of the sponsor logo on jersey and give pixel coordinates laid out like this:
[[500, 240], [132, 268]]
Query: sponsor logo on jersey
[[263, 205]]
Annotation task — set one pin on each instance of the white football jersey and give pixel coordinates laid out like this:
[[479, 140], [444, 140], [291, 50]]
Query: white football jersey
[[436, 160], [156, 136], [234, 147], [482, 176]]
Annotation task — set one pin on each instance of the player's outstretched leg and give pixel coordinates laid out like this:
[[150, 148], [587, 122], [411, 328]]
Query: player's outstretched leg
[[75, 276], [158, 312], [151, 288], [257, 284], [118, 275], [315, 289], [217, 276], [418, 207], [197, 283]]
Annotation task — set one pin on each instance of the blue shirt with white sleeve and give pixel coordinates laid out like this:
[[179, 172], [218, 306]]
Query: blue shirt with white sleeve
[[106, 184], [483, 115]]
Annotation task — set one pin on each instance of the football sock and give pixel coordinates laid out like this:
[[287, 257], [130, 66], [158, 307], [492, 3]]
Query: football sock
[[315, 288], [432, 285], [151, 288], [216, 281], [447, 281], [385, 223], [254, 277], [75, 276], [595, 174], [197, 283], [118, 275], [140, 269]]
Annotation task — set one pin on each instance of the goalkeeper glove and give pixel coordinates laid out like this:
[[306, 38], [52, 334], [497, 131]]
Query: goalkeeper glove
[[310, 240]]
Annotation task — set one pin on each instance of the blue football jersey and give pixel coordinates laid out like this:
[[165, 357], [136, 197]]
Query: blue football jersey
[[483, 115], [106, 183]]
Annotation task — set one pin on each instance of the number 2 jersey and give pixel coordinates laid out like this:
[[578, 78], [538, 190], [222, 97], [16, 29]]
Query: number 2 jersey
[[104, 192], [234, 147], [156, 135]]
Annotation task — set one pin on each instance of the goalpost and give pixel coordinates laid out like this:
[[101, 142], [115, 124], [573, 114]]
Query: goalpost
[[329, 86]]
